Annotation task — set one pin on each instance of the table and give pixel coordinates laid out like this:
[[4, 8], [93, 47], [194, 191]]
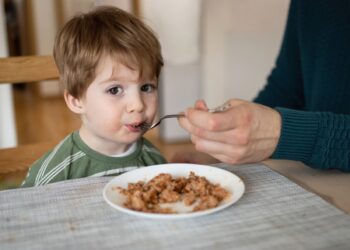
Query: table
[[274, 213], [331, 185]]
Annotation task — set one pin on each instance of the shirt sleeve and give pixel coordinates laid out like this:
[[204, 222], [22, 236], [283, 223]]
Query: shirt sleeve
[[35, 171], [319, 139], [52, 166]]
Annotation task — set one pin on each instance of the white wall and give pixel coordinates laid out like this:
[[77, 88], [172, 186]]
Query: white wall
[[241, 40], [70, 8], [178, 27], [45, 28], [7, 120], [123, 4]]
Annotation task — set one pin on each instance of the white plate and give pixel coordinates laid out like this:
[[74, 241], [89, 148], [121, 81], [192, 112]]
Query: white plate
[[226, 179]]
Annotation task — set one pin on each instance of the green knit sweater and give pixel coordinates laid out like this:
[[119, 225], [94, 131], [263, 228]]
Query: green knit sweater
[[310, 85]]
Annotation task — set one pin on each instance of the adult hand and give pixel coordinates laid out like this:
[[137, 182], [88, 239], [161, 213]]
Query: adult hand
[[246, 132]]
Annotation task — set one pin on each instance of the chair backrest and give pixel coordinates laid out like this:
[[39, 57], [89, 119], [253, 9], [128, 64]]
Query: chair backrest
[[24, 69], [27, 69]]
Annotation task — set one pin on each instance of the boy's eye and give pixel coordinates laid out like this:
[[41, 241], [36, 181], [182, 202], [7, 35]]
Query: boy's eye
[[115, 90], [149, 87]]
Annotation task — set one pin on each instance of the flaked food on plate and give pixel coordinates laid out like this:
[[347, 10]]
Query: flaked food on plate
[[160, 193]]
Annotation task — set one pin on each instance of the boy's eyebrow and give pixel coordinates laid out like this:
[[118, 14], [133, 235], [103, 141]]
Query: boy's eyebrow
[[115, 76], [109, 79]]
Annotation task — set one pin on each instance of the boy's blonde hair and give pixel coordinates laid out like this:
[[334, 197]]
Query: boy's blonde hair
[[104, 31]]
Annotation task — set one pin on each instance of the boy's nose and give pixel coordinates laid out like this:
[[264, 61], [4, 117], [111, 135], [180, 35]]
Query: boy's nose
[[135, 104]]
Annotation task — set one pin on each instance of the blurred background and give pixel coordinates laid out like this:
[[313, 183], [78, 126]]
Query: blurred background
[[214, 50]]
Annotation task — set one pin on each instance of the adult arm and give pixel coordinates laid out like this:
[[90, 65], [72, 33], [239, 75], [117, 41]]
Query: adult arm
[[319, 139]]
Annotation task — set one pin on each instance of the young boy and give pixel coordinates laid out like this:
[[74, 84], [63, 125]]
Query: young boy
[[109, 63]]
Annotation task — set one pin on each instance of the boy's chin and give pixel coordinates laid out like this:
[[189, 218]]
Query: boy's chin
[[131, 139]]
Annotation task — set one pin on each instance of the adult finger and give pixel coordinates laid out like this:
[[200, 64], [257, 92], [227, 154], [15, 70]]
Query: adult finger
[[186, 124], [201, 105], [233, 152], [220, 121], [229, 136]]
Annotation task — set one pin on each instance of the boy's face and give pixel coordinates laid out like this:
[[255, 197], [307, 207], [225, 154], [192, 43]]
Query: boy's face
[[115, 104]]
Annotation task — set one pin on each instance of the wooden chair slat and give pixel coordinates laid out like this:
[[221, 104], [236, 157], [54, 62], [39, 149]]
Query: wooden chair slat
[[27, 69], [21, 157]]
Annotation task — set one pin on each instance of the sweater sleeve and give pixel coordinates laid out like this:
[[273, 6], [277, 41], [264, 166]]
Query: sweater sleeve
[[284, 84], [319, 139]]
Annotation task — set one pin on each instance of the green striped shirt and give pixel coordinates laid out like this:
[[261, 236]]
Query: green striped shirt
[[72, 158]]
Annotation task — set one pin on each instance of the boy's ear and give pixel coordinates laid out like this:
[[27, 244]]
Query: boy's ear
[[73, 103]]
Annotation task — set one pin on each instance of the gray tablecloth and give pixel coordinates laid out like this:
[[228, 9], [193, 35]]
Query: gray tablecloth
[[274, 213]]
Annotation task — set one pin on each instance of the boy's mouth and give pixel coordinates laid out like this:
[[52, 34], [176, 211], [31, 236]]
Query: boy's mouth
[[136, 127]]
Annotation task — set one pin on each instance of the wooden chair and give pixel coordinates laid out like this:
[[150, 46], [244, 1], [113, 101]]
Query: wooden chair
[[25, 69]]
